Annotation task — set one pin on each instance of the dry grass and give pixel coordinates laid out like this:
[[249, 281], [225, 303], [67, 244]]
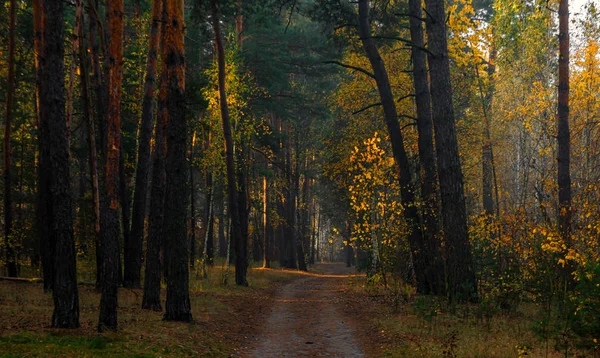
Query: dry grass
[[423, 327], [223, 315]]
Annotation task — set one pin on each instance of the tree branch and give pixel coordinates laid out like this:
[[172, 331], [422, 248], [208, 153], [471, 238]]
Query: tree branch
[[361, 70], [367, 107]]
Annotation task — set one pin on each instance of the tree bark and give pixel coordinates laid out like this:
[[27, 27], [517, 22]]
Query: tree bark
[[125, 216], [89, 117], [43, 211], [155, 242], [266, 217], [54, 171], [234, 210], [400, 157], [109, 223], [434, 276], [177, 306], [193, 205], [133, 261], [462, 284], [99, 89], [564, 140], [11, 264]]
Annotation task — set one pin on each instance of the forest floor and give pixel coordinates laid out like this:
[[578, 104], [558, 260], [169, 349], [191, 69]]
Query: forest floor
[[329, 311], [281, 308]]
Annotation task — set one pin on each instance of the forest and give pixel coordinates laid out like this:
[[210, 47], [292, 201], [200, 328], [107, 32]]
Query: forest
[[407, 178]]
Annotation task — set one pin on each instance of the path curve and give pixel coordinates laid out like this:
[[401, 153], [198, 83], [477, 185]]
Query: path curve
[[305, 320]]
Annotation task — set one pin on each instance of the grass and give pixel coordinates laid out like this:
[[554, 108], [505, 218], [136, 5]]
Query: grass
[[223, 317], [423, 327]]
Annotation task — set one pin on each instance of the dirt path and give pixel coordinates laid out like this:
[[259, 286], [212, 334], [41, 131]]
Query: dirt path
[[305, 320]]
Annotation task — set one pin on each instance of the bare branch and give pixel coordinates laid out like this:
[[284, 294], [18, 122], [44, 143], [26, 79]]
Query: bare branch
[[361, 70], [367, 107]]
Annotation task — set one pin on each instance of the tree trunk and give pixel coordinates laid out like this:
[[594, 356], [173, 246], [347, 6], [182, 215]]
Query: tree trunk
[[11, 264], [564, 140], [434, 276], [42, 215], [89, 116], [221, 228], [208, 242], [298, 214], [125, 216], [133, 261], [241, 257], [109, 222], [155, 242], [193, 205], [234, 210], [400, 157], [266, 217], [54, 171], [177, 307], [462, 284], [99, 89]]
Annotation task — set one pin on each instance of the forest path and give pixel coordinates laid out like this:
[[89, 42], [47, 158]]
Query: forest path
[[305, 320]]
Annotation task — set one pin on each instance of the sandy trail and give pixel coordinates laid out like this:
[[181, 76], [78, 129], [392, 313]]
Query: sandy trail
[[305, 320]]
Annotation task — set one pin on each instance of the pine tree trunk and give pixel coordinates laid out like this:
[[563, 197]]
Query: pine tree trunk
[[462, 284], [233, 208], [100, 91], [11, 264], [133, 261], [177, 306], [109, 222], [400, 157], [155, 242], [43, 201], [89, 117], [54, 172], [434, 276], [298, 214], [125, 216], [266, 218], [193, 205]]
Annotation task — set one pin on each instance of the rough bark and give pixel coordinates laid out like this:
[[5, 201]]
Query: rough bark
[[153, 268], [54, 172], [398, 149], [234, 210], [434, 276], [177, 306], [109, 223], [11, 264], [133, 255], [461, 281]]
